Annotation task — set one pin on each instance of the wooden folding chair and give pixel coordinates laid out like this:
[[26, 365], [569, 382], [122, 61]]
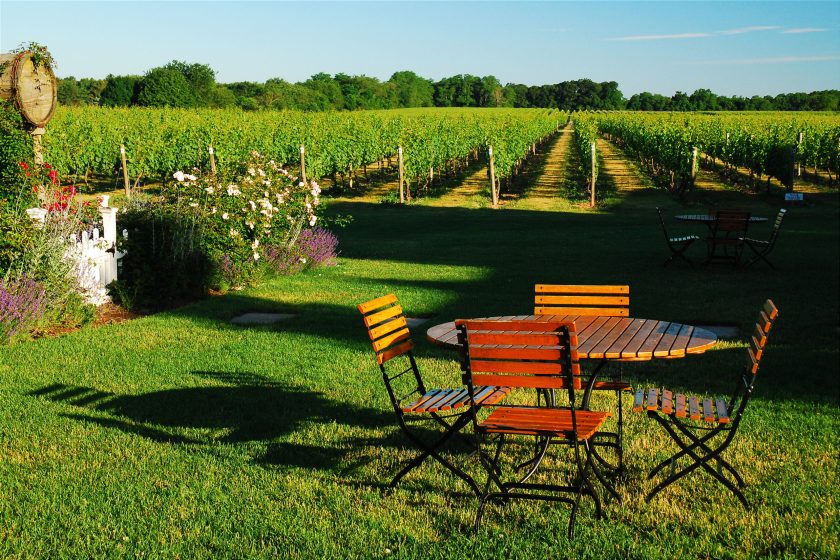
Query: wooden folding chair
[[762, 248], [677, 245], [531, 357], [708, 426], [575, 301], [411, 400], [726, 240]]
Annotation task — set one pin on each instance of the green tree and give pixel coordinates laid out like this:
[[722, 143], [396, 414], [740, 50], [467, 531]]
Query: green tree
[[119, 91], [165, 87], [411, 90]]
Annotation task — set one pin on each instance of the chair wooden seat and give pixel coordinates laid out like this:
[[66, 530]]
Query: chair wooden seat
[[684, 239], [664, 401], [551, 422], [442, 400], [728, 232]]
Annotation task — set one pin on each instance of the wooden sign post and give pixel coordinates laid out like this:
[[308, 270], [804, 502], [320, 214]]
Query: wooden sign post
[[493, 194], [125, 172], [400, 160]]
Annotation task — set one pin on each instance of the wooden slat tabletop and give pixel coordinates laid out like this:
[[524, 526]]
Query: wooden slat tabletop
[[613, 338], [712, 218]]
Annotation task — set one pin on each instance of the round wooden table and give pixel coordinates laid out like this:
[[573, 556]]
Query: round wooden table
[[609, 338], [710, 219]]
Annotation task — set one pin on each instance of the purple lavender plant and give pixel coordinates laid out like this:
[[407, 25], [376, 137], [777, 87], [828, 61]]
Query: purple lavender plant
[[22, 302], [315, 247]]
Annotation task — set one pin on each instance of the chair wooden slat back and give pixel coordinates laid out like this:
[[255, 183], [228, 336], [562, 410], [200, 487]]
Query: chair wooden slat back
[[387, 327], [777, 225], [564, 299], [755, 350], [731, 221], [526, 354]]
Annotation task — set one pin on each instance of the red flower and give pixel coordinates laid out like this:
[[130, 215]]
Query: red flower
[[47, 166], [53, 176], [23, 165]]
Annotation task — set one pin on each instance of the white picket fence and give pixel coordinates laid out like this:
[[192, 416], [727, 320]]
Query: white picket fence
[[96, 263]]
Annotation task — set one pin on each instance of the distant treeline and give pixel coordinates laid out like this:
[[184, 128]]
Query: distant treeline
[[181, 84]]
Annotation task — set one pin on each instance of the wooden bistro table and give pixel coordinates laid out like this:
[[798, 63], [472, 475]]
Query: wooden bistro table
[[710, 219], [609, 338], [606, 339]]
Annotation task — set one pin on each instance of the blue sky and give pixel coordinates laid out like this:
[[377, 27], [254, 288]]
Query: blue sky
[[732, 48]]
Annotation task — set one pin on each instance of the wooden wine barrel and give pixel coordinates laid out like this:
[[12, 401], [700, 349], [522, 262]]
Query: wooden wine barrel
[[34, 91]]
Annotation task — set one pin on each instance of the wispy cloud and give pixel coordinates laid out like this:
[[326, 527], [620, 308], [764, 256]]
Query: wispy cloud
[[659, 37], [804, 30], [773, 60], [750, 29]]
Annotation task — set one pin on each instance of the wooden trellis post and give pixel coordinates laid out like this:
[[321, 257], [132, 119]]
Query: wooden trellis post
[[212, 160], [400, 160], [494, 196], [302, 164], [125, 172], [592, 171]]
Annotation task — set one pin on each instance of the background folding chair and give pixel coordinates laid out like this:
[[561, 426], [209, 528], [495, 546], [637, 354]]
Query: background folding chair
[[690, 429], [726, 240], [529, 356], [762, 248], [388, 331], [575, 301], [677, 245]]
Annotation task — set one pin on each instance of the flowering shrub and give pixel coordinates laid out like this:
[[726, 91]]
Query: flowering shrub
[[262, 205], [22, 303]]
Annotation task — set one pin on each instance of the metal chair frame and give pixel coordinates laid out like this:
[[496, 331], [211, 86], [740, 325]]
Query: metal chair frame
[[562, 340], [677, 245], [706, 450], [762, 248]]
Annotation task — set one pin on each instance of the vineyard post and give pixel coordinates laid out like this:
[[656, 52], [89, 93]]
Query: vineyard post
[[799, 145], [492, 177], [302, 163], [693, 166], [793, 166], [400, 160], [125, 172], [212, 160], [592, 171]]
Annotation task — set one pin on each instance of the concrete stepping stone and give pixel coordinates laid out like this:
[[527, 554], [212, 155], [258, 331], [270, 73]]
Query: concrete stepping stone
[[414, 322], [722, 331], [261, 318]]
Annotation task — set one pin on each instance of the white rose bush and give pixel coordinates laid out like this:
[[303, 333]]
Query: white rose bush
[[225, 231]]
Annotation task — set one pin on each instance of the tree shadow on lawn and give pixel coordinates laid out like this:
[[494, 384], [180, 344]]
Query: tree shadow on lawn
[[250, 409], [247, 408]]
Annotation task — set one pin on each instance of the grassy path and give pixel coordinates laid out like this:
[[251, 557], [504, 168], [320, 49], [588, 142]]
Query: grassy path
[[545, 192]]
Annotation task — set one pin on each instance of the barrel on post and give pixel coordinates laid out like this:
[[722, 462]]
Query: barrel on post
[[32, 88]]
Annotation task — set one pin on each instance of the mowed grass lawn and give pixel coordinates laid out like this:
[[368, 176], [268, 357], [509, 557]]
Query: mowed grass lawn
[[180, 435]]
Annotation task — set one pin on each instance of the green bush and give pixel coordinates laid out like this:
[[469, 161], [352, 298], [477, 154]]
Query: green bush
[[15, 146], [165, 263]]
